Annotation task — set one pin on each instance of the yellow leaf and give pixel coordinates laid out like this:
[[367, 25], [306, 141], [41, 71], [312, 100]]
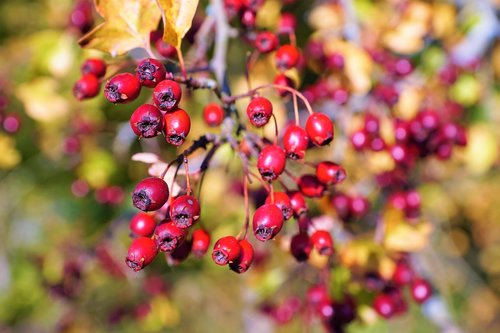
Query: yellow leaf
[[127, 25], [403, 236], [177, 18], [481, 152]]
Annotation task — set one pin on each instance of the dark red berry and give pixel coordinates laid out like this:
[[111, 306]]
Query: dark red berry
[[213, 114], [177, 126], [225, 250], [81, 16], [142, 225], [310, 186], [330, 173], [267, 222], [180, 253], [271, 162], [342, 205], [141, 253], [283, 80], [325, 310], [403, 274], [248, 18], [323, 242], [245, 259], [319, 128], [287, 23], [184, 211], [298, 202], [281, 200], [295, 142], [168, 236], [201, 242], [232, 7], [377, 144], [167, 94], [164, 49], [421, 291], [335, 61], [122, 88], [147, 121], [87, 87], [383, 305], [317, 294], [150, 194], [372, 124], [287, 57], [359, 206], [150, 72], [94, 66], [259, 111], [300, 247], [304, 222], [266, 42]]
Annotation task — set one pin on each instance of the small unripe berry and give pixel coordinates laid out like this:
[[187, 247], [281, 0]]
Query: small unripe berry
[[122, 88], [147, 121], [150, 194], [245, 259], [150, 72], [267, 222], [259, 111], [201, 242], [225, 250], [168, 236], [167, 94], [87, 87], [319, 128], [271, 162], [213, 114], [184, 211], [142, 225], [177, 126], [141, 253], [94, 66]]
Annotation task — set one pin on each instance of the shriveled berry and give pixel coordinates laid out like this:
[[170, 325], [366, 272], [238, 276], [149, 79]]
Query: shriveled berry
[[323, 242], [319, 128], [266, 42], [287, 57], [267, 222], [225, 250], [245, 259], [330, 173], [150, 72], [384, 306], [271, 162], [177, 126], [295, 142], [300, 247], [310, 186], [213, 114], [167, 94], [168, 236], [141, 253], [87, 87], [122, 88], [142, 225], [201, 242], [147, 121], [184, 211], [94, 66], [259, 111], [421, 291], [283, 202], [298, 202], [150, 194]]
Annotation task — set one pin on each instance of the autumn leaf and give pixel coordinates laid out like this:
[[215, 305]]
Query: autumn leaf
[[402, 236], [126, 25], [177, 18]]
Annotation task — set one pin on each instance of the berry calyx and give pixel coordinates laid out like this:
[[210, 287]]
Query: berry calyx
[[87, 87], [142, 225], [147, 121], [323, 242], [213, 114], [295, 142], [94, 66], [122, 88], [150, 72], [287, 57], [150, 194], [225, 250], [267, 222], [177, 126], [184, 211], [245, 259], [141, 253], [259, 111], [200, 242], [168, 236], [271, 162], [319, 128], [282, 200], [167, 94], [330, 173]]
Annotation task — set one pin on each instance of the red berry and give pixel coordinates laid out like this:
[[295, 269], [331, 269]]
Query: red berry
[[245, 259], [213, 114], [384, 305], [226, 249], [359, 206], [201, 242], [184, 211], [287, 23], [177, 126], [11, 123], [267, 222], [141, 253], [180, 253], [317, 294], [168, 236], [342, 205], [326, 310], [310, 186], [150, 72], [167, 94], [323, 242], [403, 274], [266, 42], [287, 57], [233, 7], [283, 80], [359, 140], [142, 225], [87, 87], [295, 142], [298, 202], [259, 111], [377, 144], [150, 194], [122, 88], [147, 121], [335, 61], [94, 66], [372, 124], [421, 291], [330, 173], [300, 247], [82, 17], [271, 162], [319, 128], [248, 18], [281, 200], [164, 49]]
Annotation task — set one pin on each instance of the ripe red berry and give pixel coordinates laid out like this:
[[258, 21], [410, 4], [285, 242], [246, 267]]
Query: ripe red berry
[[150, 194], [266, 42], [122, 88], [141, 253], [259, 111], [213, 114], [94, 66], [310, 186], [330, 173], [421, 291], [245, 259], [150, 72], [167, 94], [317, 294], [342, 205], [248, 18], [232, 7], [295, 142], [335, 61], [11, 123], [323, 242], [283, 80], [267, 222], [142, 225], [271, 162], [168, 236], [177, 126], [319, 128], [283, 202], [383, 305], [300, 246], [147, 121], [225, 250], [298, 202], [359, 206], [287, 57], [287, 23], [201, 242], [403, 274], [87, 87], [184, 211], [164, 49], [359, 140], [180, 253]]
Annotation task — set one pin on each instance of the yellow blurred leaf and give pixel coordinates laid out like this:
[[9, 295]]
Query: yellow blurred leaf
[[163, 314], [401, 236], [443, 19], [9, 157], [326, 16], [482, 149], [177, 19], [127, 25]]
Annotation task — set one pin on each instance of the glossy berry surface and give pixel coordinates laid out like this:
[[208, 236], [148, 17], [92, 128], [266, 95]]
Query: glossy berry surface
[[94, 66], [271, 162], [184, 211], [282, 200], [86, 87], [330, 173], [147, 121], [122, 88], [168, 236], [319, 128], [298, 202], [295, 142], [300, 247], [226, 250], [200, 242], [177, 126], [213, 114], [150, 72], [142, 225], [245, 259], [259, 111], [323, 242], [141, 253], [150, 194], [310, 186], [287, 57], [267, 222], [167, 94]]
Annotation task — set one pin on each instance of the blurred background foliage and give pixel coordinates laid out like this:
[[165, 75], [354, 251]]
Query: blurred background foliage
[[66, 175]]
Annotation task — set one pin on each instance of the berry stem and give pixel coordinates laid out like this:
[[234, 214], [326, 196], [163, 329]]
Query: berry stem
[[188, 182], [264, 184], [293, 38], [181, 62], [247, 206], [276, 133], [272, 193], [296, 109]]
